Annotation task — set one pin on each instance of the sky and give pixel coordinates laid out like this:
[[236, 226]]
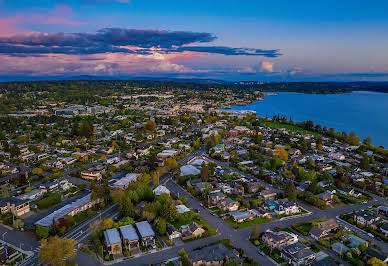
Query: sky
[[301, 40]]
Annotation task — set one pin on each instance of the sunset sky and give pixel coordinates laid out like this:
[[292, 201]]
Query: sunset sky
[[219, 39]]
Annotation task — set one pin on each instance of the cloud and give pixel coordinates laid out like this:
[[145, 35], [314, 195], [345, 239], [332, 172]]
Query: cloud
[[295, 70], [119, 40], [231, 51], [266, 66]]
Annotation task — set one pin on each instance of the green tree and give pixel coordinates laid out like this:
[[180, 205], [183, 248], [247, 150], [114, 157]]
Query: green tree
[[204, 172], [18, 223], [160, 225], [290, 191], [42, 231], [126, 207]]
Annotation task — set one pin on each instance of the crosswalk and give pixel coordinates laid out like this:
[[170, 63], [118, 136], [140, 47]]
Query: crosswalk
[[36, 250]]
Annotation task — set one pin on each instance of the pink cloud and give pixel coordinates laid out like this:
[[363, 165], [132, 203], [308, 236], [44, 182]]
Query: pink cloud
[[102, 64], [8, 26], [266, 66]]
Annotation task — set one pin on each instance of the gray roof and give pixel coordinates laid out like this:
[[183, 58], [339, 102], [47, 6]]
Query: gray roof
[[144, 229], [129, 233], [48, 220], [112, 236], [213, 253], [11, 201]]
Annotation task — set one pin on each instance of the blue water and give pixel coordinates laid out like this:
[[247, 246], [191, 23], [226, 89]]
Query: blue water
[[365, 113]]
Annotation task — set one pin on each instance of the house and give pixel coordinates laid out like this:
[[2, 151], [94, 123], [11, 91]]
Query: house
[[339, 248], [189, 170], [172, 232], [326, 196], [32, 195], [214, 198], [53, 164], [354, 241], [71, 209], [324, 228], [228, 204], [82, 156], [124, 182], [189, 231], [268, 194], [365, 218], [129, 236], [285, 207], [383, 210], [384, 229], [15, 206], [336, 156], [241, 216], [68, 160], [297, 254], [160, 190], [112, 241], [50, 186], [279, 239], [91, 175], [182, 208], [213, 255], [147, 235], [350, 192]]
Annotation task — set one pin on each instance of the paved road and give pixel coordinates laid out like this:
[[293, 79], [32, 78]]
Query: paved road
[[237, 239]]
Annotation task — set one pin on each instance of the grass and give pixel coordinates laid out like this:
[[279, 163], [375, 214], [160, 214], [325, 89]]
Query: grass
[[256, 220], [288, 127], [304, 228]]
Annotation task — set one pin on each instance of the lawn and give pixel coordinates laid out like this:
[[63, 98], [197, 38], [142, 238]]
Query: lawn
[[288, 127], [304, 228], [256, 220]]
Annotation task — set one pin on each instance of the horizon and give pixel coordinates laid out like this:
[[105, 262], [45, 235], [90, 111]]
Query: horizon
[[221, 40]]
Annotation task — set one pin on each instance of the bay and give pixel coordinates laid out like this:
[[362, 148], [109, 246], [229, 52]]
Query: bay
[[365, 113]]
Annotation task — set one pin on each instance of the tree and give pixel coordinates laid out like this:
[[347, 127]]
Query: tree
[[18, 223], [14, 151], [5, 190], [155, 179], [367, 141], [168, 211], [255, 232], [160, 225], [290, 191], [42, 231], [204, 172], [56, 251], [107, 224], [37, 171], [150, 125], [281, 153], [125, 206], [364, 163], [375, 262]]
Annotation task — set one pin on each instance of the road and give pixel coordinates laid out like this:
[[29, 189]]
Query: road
[[80, 233]]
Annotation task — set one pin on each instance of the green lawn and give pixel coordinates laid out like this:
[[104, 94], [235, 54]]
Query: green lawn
[[304, 228], [288, 127], [256, 220]]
